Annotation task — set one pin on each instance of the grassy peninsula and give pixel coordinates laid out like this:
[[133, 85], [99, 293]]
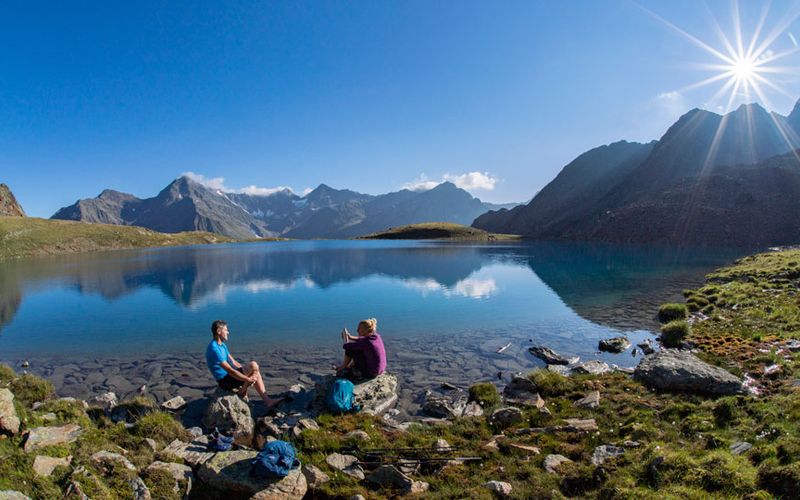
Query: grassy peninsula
[[437, 231], [30, 236], [668, 445]]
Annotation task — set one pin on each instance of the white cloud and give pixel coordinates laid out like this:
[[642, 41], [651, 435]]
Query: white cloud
[[469, 181], [209, 182], [473, 180], [218, 183], [261, 191], [421, 183]]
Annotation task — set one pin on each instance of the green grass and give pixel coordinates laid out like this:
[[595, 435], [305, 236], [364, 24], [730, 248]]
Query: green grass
[[673, 333], [485, 394], [671, 312], [437, 231], [29, 236]]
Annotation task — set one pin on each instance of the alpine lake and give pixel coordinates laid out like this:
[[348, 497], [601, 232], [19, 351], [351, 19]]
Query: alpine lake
[[125, 319]]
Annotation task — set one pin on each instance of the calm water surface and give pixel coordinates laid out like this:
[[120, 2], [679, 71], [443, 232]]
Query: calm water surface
[[286, 303]]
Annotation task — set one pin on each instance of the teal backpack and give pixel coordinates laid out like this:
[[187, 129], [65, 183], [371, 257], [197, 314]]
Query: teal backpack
[[340, 397]]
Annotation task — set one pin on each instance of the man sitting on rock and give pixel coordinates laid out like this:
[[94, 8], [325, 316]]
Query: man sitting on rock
[[229, 373]]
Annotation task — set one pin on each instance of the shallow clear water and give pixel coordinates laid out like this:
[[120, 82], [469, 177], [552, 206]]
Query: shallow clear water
[[286, 302]]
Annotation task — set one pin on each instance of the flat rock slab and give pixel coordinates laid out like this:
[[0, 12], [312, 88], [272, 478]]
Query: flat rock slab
[[108, 460], [9, 421], [50, 436], [194, 454], [592, 367], [680, 371], [229, 472], [345, 463], [13, 495], [551, 357], [590, 401], [553, 462], [605, 452], [44, 466], [740, 447]]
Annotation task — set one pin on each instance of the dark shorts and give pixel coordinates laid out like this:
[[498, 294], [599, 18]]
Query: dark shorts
[[229, 383]]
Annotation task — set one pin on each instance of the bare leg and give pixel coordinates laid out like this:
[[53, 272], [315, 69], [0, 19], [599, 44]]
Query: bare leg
[[345, 363], [251, 369]]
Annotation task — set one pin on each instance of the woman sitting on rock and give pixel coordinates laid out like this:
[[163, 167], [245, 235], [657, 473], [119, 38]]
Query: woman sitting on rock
[[364, 355]]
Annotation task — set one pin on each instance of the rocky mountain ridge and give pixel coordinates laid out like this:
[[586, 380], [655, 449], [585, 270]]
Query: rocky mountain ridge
[[710, 180], [325, 212], [8, 203]]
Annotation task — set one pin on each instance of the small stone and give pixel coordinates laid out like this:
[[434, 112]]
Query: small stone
[[498, 487], [358, 497], [345, 463], [44, 466], [108, 460], [551, 357], [50, 436], [740, 447], [387, 476], [174, 404], [473, 409], [523, 449], [139, 490], [315, 477], [581, 425], [195, 432], [605, 452], [13, 495], [553, 462], [442, 445], [616, 344], [590, 401], [646, 348], [26, 364], [358, 435], [493, 443], [631, 444], [9, 421], [506, 417], [49, 417], [106, 401], [151, 443], [592, 367]]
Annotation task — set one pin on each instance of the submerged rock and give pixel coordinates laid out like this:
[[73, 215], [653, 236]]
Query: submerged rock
[[680, 371], [615, 344], [551, 357], [231, 416], [9, 421]]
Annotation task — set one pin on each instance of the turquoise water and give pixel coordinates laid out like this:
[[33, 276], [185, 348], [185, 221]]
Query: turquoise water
[[301, 293]]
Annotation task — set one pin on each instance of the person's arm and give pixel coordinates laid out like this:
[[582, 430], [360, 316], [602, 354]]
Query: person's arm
[[233, 362], [234, 373]]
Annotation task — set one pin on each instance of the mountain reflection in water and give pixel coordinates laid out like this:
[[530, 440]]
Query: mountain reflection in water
[[611, 286]]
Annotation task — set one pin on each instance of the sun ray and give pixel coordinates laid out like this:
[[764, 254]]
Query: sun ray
[[759, 27]]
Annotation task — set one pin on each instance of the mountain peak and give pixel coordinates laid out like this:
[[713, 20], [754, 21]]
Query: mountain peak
[[8, 204]]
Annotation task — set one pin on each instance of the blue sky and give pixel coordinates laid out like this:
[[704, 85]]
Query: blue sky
[[370, 96]]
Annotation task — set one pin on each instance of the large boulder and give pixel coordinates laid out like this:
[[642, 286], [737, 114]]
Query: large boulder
[[228, 472], [680, 371], [375, 395], [9, 421], [50, 436], [231, 416]]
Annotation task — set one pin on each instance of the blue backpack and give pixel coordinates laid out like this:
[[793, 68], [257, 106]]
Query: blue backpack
[[276, 459], [340, 397]]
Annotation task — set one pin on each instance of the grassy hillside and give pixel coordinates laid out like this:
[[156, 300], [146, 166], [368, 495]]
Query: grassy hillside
[[437, 231], [29, 236]]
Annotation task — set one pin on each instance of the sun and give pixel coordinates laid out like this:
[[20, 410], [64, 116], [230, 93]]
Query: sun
[[744, 70], [742, 67]]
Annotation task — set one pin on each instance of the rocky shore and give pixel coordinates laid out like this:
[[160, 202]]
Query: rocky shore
[[716, 416]]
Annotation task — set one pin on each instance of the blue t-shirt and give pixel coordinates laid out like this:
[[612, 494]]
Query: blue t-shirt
[[215, 355]]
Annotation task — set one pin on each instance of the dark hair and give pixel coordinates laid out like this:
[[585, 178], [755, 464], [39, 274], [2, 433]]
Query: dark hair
[[216, 325]]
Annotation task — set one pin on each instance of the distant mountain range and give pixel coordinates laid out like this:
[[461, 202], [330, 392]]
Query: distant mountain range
[[712, 179], [8, 204], [325, 212]]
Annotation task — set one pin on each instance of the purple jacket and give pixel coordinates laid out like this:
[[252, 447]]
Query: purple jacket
[[374, 353]]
